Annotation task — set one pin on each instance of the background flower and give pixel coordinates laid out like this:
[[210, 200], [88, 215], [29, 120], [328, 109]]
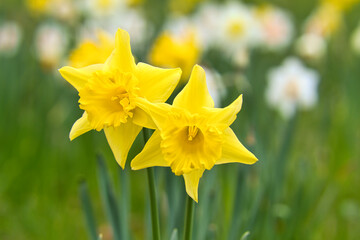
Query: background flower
[[10, 38], [291, 86], [51, 40]]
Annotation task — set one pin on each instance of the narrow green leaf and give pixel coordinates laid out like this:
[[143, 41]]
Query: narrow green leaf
[[88, 210], [124, 203], [108, 198]]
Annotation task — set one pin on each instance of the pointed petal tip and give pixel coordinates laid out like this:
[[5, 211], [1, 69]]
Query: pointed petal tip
[[253, 159], [135, 168], [73, 134], [194, 197], [240, 99], [121, 160], [121, 35], [122, 166], [132, 166], [178, 71], [62, 70], [198, 68]]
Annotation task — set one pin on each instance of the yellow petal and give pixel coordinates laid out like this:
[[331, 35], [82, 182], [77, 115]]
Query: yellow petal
[[224, 117], [233, 151], [151, 155], [195, 94], [158, 111], [81, 126], [143, 119], [157, 84], [120, 140], [78, 77], [121, 58], [192, 183]]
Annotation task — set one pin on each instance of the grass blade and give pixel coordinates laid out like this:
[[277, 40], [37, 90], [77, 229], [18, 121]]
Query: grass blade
[[108, 198], [88, 210]]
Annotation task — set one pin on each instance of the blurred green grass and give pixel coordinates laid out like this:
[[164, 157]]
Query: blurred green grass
[[319, 199]]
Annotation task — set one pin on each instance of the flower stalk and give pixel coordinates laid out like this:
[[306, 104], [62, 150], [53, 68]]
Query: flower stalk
[[189, 218], [152, 192]]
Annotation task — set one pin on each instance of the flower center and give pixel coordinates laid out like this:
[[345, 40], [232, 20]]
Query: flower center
[[188, 144], [192, 131], [236, 28], [107, 98], [292, 89]]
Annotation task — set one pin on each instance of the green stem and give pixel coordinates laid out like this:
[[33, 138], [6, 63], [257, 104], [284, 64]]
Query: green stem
[[154, 208], [153, 203], [189, 217]]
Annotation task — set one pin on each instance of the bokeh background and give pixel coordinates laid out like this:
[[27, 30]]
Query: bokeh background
[[297, 63]]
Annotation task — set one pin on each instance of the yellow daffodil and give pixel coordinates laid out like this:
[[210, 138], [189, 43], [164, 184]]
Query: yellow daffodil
[[342, 4], [192, 135], [324, 21], [170, 51], [91, 52], [107, 93], [37, 6]]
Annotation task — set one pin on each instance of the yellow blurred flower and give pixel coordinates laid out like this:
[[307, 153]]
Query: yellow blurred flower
[[341, 4], [192, 135], [108, 91], [62, 9], [327, 18], [38, 6], [92, 52], [324, 21], [134, 2], [169, 51]]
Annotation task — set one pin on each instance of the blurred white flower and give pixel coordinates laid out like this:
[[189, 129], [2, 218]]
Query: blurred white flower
[[130, 20], [355, 40], [101, 8], [215, 85], [206, 23], [238, 27], [63, 9], [311, 46], [290, 86], [276, 26], [50, 44], [10, 38]]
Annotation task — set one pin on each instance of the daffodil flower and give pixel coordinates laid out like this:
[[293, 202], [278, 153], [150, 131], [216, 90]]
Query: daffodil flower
[[192, 135], [92, 52], [107, 93]]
